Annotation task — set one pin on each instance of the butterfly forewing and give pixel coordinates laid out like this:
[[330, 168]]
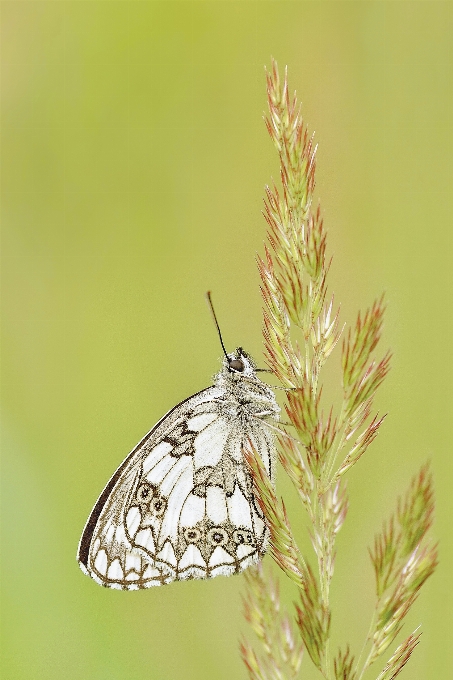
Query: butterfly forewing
[[181, 505]]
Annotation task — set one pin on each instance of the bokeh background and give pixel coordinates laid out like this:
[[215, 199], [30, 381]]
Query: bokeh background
[[134, 158]]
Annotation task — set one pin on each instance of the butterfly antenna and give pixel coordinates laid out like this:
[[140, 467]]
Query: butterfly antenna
[[211, 307]]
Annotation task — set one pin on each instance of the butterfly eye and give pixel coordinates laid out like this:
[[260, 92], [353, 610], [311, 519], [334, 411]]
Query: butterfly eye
[[158, 506], [192, 535], [218, 536], [144, 493], [237, 365]]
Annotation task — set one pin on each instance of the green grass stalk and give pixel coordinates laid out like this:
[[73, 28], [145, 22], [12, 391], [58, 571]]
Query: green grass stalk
[[301, 328]]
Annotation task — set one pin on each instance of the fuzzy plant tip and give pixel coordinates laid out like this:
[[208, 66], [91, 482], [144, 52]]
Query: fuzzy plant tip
[[403, 557], [320, 443]]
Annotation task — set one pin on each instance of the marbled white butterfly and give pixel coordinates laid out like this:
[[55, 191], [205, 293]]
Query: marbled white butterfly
[[181, 504]]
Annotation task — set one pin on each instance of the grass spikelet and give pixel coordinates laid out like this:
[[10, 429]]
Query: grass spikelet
[[313, 620], [360, 343], [301, 328], [403, 559], [343, 666], [282, 648], [283, 547], [400, 658]]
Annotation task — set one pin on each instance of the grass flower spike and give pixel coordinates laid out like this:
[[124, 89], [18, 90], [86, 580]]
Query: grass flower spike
[[301, 328], [282, 648]]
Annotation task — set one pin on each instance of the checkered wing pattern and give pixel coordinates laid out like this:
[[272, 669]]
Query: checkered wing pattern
[[181, 505]]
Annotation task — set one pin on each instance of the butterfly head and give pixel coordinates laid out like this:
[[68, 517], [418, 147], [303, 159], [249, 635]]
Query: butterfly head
[[240, 362]]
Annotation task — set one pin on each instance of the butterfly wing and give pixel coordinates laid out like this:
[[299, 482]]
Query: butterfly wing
[[181, 504]]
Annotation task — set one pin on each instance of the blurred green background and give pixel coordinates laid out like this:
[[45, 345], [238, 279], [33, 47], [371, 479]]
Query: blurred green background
[[134, 159]]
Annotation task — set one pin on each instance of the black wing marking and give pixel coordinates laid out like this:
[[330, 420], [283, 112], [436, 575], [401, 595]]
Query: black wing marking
[[85, 541]]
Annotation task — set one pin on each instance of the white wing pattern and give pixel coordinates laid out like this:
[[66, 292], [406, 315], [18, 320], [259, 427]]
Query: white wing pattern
[[181, 505]]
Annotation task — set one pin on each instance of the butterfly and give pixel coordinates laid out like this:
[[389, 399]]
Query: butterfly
[[181, 505]]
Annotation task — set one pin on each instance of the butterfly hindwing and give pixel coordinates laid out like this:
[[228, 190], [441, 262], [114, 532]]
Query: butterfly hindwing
[[181, 505]]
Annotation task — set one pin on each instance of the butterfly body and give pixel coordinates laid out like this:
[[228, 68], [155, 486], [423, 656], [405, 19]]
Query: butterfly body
[[181, 504]]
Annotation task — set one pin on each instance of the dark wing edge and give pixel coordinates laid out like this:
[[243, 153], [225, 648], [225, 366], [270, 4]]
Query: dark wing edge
[[83, 549]]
